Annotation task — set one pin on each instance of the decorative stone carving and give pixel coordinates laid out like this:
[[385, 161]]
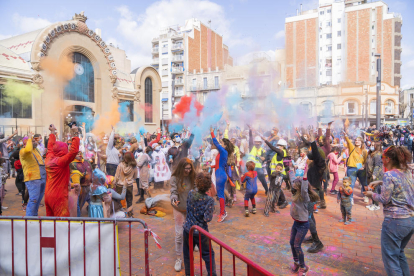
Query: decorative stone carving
[[113, 78], [80, 17], [38, 79], [138, 86], [115, 92], [137, 96], [35, 65]]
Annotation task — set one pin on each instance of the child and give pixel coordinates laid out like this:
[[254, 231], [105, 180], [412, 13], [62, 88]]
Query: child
[[276, 180], [251, 187], [200, 208], [334, 160], [299, 212], [300, 164], [344, 196]]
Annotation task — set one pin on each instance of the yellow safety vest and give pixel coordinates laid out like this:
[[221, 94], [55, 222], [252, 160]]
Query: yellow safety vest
[[274, 162], [253, 156]]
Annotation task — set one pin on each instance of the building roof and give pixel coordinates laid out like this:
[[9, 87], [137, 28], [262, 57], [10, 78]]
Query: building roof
[[10, 59], [21, 43], [135, 71]]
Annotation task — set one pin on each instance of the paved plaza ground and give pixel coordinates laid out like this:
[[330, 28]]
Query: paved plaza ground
[[353, 249]]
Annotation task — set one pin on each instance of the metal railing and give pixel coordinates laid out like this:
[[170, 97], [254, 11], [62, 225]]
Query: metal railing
[[178, 58], [178, 47], [203, 87], [177, 69], [253, 269], [51, 242]]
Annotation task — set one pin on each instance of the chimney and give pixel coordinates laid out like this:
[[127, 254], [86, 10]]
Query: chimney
[[300, 9], [98, 32], [297, 12]]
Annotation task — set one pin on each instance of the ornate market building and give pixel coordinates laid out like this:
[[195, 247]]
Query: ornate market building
[[102, 75]]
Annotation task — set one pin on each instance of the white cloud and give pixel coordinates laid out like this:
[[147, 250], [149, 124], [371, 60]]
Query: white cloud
[[280, 34], [28, 24], [408, 65], [140, 29]]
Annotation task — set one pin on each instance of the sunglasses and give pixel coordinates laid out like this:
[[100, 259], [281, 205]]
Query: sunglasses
[[187, 169]]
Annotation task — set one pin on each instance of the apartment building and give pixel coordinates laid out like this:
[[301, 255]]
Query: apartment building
[[190, 59], [337, 41]]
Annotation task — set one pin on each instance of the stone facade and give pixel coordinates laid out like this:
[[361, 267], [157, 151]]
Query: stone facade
[[111, 70]]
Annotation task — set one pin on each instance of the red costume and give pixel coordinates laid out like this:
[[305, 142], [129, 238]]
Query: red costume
[[57, 168]]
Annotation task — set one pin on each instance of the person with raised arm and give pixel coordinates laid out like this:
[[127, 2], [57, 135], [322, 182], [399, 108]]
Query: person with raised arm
[[57, 163]]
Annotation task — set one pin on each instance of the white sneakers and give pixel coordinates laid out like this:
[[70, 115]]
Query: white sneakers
[[178, 264], [373, 207], [366, 200], [4, 207], [196, 248]]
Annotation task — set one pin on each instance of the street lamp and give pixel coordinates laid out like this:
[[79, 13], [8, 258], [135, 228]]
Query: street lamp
[[378, 115]]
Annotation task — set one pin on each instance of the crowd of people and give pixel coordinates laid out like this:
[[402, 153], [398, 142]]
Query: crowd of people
[[102, 171]]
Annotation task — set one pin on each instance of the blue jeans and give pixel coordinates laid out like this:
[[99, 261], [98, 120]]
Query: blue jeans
[[354, 173], [36, 189], [297, 234], [395, 235], [205, 252], [261, 176]]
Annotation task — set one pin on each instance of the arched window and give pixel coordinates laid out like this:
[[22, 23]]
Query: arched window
[[148, 100], [351, 108], [82, 86], [328, 108], [373, 107], [307, 108], [389, 107]]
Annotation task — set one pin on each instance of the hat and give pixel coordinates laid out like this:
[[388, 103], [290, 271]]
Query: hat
[[100, 190], [257, 139]]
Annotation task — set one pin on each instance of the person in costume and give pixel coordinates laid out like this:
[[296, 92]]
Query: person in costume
[[220, 171], [57, 163]]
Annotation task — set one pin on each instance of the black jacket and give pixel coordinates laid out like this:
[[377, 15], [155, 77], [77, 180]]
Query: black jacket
[[317, 167]]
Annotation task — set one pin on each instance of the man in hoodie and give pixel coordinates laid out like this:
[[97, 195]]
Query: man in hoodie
[[179, 150], [57, 163]]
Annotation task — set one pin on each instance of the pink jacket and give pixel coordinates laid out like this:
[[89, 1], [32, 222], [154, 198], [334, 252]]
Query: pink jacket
[[334, 161]]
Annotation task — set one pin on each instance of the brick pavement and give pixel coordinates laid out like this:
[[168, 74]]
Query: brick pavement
[[353, 249]]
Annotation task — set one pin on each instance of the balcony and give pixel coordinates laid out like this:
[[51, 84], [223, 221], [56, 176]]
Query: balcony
[[328, 65], [179, 82], [176, 37], [155, 61], [177, 70], [178, 92], [204, 88], [165, 72], [155, 39], [177, 47], [178, 58], [155, 50], [165, 84], [164, 50]]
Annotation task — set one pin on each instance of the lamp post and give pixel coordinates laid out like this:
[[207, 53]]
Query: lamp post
[[378, 115]]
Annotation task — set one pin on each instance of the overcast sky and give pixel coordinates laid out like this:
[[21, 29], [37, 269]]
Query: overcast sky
[[247, 25]]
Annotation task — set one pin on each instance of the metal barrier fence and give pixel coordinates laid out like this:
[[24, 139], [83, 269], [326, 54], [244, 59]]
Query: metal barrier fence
[[50, 242], [253, 269]]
